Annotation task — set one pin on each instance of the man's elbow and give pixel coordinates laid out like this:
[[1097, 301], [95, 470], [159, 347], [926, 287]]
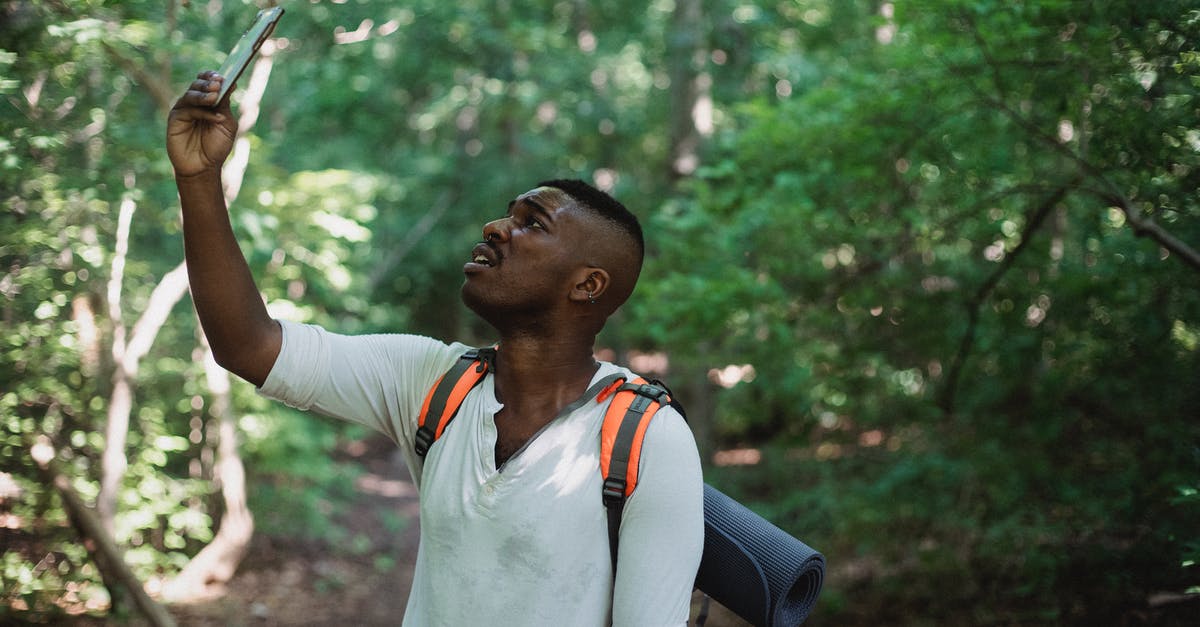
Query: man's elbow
[[252, 362], [239, 364]]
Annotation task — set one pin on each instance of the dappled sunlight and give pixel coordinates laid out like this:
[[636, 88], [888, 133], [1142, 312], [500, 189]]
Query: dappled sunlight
[[838, 439], [382, 486], [732, 375], [77, 598], [843, 255], [9, 488], [870, 438], [923, 274], [828, 450], [1036, 312], [576, 462], [886, 32], [648, 364], [738, 457], [1187, 337], [838, 436], [338, 226], [606, 179]]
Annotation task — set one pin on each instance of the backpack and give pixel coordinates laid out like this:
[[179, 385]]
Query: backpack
[[749, 565], [634, 403]]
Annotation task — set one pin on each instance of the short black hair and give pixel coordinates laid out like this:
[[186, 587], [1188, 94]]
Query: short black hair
[[602, 205]]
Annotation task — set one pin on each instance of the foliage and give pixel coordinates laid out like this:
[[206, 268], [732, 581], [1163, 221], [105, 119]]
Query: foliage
[[927, 238], [946, 308]]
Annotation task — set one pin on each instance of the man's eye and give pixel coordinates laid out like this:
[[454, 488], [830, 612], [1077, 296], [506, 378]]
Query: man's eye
[[534, 223]]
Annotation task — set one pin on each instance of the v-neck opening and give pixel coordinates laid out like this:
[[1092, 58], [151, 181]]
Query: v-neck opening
[[589, 394]]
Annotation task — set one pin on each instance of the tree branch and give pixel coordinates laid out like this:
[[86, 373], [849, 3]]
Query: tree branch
[[120, 402], [1146, 227], [1034, 221], [170, 290], [96, 539], [159, 91], [1141, 225]]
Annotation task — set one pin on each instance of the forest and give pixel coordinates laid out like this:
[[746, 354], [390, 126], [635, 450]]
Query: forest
[[925, 273]]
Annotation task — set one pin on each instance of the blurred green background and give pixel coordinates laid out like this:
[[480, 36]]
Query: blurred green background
[[924, 273]]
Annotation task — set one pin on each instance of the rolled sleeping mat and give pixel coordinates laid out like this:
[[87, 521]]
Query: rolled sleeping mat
[[755, 569]]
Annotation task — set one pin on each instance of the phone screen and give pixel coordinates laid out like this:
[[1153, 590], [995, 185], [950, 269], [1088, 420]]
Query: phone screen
[[245, 48]]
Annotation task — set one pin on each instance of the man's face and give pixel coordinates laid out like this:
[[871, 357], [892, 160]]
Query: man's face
[[522, 269]]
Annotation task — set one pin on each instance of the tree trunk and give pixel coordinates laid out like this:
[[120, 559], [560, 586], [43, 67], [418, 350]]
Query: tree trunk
[[97, 540], [690, 122], [219, 560], [699, 399], [126, 360], [120, 404], [691, 101]]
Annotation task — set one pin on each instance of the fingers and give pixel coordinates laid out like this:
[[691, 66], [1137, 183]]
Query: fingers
[[208, 81], [198, 98], [202, 92], [202, 113]]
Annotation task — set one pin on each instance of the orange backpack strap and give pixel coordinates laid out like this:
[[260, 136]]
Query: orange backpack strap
[[634, 404], [443, 400]]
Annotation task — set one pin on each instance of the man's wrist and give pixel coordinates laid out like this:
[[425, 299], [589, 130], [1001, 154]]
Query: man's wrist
[[203, 178]]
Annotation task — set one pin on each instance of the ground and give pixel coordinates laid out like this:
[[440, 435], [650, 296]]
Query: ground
[[315, 583]]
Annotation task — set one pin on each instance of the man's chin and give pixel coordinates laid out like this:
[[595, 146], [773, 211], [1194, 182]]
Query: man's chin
[[475, 302], [501, 315]]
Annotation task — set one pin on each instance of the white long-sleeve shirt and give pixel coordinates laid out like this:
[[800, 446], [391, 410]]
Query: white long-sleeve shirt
[[525, 544]]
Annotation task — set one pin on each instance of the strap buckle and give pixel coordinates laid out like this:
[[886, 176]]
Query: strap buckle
[[613, 492], [653, 392], [423, 440], [486, 357]]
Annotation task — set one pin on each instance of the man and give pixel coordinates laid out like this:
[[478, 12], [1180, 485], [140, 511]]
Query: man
[[513, 528]]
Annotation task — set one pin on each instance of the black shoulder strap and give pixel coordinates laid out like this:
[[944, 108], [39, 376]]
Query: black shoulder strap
[[442, 402], [625, 423], [622, 459]]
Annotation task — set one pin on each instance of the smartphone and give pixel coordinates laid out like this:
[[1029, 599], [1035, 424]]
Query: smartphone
[[241, 55]]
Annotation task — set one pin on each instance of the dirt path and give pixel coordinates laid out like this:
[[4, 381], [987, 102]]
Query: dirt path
[[314, 583]]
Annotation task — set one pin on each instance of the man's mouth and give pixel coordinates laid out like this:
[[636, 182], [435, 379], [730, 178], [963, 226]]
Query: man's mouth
[[484, 255]]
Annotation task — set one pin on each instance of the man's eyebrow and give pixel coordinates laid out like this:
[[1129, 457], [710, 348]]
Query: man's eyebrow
[[537, 206]]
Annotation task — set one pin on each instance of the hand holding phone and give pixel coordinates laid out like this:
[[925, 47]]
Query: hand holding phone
[[245, 49]]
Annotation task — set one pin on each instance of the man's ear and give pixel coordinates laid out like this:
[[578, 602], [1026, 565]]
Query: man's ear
[[590, 284]]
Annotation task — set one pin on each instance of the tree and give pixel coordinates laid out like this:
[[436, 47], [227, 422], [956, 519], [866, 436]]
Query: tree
[[84, 46], [934, 263], [928, 256]]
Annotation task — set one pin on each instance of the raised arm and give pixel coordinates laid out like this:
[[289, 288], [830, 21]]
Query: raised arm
[[244, 338]]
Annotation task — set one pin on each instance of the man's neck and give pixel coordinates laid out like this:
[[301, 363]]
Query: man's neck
[[536, 379], [539, 373]]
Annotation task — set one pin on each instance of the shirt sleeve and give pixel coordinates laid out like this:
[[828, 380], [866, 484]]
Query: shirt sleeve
[[379, 381], [662, 529]]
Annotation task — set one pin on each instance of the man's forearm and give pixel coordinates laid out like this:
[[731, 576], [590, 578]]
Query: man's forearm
[[244, 338]]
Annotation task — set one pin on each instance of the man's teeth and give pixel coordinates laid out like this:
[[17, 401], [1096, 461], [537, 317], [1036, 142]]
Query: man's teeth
[[482, 259]]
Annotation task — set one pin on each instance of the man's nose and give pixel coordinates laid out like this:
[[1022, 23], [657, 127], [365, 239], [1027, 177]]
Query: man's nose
[[497, 230]]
